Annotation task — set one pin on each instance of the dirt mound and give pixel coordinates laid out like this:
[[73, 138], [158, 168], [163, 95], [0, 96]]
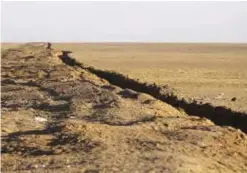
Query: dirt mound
[[61, 118]]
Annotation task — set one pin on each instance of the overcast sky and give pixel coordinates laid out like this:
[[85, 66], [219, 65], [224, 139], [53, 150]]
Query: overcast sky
[[124, 21]]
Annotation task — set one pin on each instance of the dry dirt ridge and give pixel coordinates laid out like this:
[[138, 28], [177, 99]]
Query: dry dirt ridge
[[63, 118], [220, 115]]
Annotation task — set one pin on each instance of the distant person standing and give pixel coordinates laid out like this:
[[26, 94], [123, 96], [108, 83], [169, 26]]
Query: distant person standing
[[48, 45]]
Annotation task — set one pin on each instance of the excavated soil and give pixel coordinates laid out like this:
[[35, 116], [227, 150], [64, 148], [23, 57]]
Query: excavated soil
[[62, 118]]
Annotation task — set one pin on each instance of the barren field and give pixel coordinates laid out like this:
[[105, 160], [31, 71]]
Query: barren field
[[5, 46], [58, 115], [209, 73]]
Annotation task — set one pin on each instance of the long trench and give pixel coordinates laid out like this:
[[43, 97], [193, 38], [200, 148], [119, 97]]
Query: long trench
[[220, 115]]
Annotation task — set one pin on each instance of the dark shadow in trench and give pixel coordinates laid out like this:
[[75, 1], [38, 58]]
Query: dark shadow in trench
[[220, 115]]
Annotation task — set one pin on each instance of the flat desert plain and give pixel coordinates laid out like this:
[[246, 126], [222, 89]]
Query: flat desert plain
[[5, 46], [208, 73], [58, 116]]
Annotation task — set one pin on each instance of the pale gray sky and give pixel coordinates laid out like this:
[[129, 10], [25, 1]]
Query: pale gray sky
[[124, 21]]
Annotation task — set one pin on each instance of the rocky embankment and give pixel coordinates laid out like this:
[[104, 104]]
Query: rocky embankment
[[58, 117]]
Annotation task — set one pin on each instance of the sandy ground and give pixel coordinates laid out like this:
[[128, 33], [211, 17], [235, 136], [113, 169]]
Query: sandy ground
[[62, 118], [5, 46], [213, 73]]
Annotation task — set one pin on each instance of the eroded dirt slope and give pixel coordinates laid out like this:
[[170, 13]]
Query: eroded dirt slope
[[58, 118], [207, 72]]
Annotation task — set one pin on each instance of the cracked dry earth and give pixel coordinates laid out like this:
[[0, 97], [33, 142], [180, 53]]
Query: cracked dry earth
[[58, 118]]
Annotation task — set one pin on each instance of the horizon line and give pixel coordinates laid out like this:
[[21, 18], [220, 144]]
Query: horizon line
[[140, 42]]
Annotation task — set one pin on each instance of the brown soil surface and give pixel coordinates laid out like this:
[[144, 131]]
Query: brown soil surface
[[209, 73], [61, 118]]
